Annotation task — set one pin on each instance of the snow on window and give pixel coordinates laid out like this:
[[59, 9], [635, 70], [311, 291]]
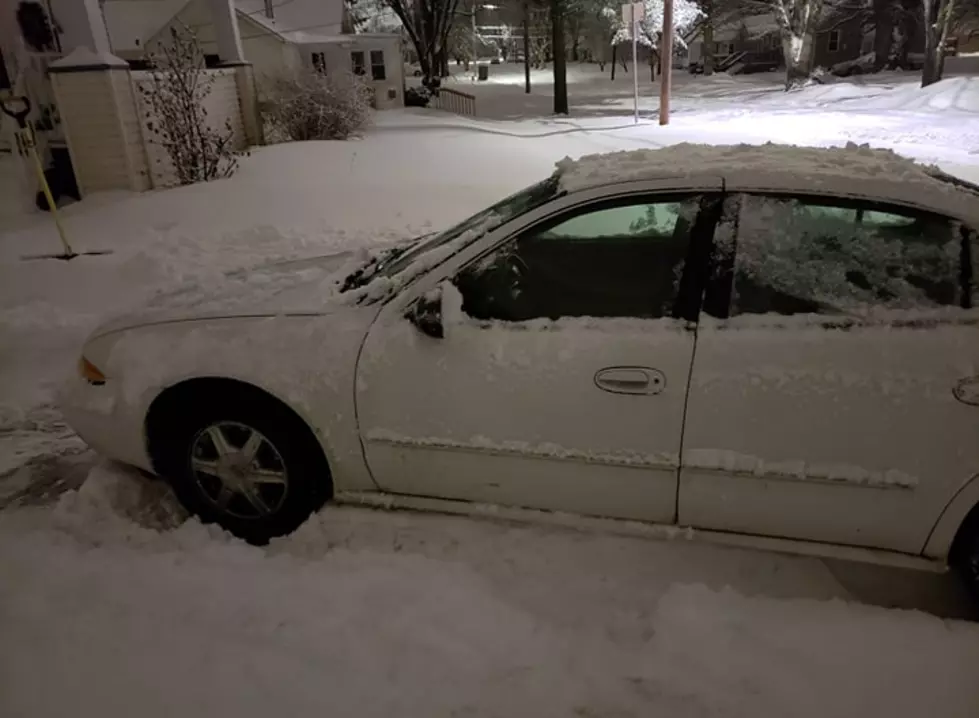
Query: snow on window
[[810, 256]]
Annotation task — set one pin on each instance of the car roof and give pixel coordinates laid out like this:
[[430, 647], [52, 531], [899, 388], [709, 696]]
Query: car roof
[[850, 171]]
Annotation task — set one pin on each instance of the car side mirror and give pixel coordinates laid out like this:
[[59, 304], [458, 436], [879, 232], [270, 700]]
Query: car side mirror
[[426, 314]]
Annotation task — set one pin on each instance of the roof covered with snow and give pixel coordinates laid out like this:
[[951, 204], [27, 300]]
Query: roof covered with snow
[[849, 170], [296, 20], [130, 23]]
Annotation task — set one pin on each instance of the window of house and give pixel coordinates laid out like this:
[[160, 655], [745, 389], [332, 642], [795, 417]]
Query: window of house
[[319, 62], [802, 255], [357, 62], [833, 41], [377, 65], [615, 260]]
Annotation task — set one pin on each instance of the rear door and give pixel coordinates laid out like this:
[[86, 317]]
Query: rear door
[[822, 403]]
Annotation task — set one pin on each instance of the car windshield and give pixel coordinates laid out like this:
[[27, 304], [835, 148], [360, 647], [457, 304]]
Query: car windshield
[[505, 210]]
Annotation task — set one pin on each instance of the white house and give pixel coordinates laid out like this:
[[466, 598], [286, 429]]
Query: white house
[[276, 36]]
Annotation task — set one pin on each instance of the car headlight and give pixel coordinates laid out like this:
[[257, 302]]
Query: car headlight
[[90, 373]]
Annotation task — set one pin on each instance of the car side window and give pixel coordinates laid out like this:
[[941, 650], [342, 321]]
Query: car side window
[[797, 255], [620, 259]]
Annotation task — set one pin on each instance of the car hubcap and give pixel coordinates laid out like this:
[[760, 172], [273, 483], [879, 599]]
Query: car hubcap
[[238, 470]]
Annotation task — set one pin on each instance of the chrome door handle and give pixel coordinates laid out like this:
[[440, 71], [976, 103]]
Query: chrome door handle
[[630, 380]]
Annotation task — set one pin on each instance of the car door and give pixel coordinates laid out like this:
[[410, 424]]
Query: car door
[[560, 380], [823, 396]]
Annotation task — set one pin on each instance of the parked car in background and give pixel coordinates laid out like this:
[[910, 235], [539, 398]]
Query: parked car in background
[[769, 341]]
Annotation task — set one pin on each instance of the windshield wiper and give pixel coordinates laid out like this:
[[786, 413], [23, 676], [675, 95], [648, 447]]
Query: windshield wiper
[[367, 272]]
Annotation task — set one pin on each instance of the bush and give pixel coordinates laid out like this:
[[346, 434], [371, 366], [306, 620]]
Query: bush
[[175, 95], [417, 97], [307, 105]]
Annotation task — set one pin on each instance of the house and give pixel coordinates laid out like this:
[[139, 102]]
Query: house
[[753, 43], [276, 37]]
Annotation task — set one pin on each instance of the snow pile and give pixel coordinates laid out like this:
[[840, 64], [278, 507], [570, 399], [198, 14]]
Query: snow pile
[[366, 613], [699, 160], [952, 94]]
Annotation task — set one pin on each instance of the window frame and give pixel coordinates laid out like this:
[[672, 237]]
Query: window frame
[[719, 286], [686, 304], [375, 75], [834, 37], [318, 60], [358, 68]]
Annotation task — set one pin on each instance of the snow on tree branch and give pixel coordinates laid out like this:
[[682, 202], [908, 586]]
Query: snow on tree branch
[[685, 13]]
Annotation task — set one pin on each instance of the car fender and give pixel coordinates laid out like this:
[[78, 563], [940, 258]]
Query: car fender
[[942, 535], [306, 362]]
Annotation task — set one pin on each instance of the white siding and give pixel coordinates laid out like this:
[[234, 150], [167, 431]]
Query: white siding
[[338, 59], [138, 165], [96, 137]]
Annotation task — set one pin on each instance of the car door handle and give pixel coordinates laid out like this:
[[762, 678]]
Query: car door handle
[[630, 380]]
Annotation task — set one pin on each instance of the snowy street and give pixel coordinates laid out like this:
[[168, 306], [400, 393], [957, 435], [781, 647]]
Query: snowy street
[[112, 604]]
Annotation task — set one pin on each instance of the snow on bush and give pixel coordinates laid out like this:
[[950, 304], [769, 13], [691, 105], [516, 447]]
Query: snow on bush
[[307, 105]]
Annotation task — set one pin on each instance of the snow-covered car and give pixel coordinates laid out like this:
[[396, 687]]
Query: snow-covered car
[[769, 341]]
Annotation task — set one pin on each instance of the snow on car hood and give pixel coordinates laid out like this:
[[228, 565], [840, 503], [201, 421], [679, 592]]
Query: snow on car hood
[[302, 286]]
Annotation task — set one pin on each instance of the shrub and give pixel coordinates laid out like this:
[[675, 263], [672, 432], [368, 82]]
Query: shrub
[[176, 92], [308, 105], [417, 97]]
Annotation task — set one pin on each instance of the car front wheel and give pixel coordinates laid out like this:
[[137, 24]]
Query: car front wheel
[[965, 556], [245, 463]]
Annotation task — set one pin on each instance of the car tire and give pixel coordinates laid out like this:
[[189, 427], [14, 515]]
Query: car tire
[[965, 554], [272, 494]]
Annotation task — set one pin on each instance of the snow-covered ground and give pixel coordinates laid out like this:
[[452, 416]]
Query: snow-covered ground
[[111, 604]]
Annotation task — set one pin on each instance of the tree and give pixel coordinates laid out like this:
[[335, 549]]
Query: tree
[[176, 94], [428, 24], [370, 16], [685, 14], [797, 21], [884, 18], [938, 16], [560, 61]]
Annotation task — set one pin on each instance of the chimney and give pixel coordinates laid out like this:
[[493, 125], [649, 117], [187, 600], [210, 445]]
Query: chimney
[[269, 9]]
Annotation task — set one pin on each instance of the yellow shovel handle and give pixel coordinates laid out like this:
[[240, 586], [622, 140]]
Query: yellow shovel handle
[[29, 141]]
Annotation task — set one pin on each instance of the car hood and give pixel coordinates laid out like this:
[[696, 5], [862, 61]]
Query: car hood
[[304, 286]]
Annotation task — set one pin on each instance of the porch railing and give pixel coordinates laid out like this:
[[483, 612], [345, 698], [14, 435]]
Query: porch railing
[[461, 103]]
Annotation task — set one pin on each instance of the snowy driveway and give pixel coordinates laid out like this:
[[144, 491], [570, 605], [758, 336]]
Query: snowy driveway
[[111, 606]]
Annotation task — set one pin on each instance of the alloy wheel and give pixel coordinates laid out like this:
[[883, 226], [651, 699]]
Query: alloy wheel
[[238, 470]]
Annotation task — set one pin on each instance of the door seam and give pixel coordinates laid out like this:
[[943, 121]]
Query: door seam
[[693, 354]]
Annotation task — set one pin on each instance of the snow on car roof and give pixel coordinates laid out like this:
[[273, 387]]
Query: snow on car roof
[[875, 171]]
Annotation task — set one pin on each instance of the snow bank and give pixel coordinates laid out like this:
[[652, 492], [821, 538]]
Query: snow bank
[[952, 94], [366, 614]]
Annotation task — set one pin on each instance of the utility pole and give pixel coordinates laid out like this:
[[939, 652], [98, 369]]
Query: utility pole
[[560, 63], [634, 16], [526, 45], [666, 62]]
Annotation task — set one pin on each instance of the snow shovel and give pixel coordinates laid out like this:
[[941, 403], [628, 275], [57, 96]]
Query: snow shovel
[[25, 143]]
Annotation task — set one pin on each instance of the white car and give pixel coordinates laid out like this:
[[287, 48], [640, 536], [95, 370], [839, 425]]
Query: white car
[[765, 341]]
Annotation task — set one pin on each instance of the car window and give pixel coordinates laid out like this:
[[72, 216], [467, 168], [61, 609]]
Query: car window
[[802, 255], [479, 224], [613, 260]]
